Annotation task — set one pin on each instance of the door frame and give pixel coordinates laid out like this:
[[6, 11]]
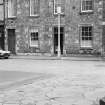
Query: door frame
[[63, 38], [3, 38], [15, 39]]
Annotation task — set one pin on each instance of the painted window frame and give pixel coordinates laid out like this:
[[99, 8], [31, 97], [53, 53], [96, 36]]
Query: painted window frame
[[55, 9], [87, 10], [91, 41], [9, 10], [35, 41], [2, 10], [38, 7]]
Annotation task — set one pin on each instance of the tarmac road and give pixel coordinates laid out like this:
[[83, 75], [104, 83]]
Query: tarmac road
[[56, 82], [6, 76]]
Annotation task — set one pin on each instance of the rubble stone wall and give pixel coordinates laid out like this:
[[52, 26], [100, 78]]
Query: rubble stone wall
[[45, 22]]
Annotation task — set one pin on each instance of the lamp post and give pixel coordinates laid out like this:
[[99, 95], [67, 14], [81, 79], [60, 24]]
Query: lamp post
[[5, 17], [4, 22], [59, 12]]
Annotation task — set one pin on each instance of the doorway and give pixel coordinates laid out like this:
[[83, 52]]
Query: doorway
[[56, 39], [11, 40], [2, 37]]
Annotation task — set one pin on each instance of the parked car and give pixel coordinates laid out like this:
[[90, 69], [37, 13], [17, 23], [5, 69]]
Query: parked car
[[4, 54]]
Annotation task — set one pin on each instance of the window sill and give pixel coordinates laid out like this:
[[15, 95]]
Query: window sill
[[86, 48], [86, 12], [34, 16], [86, 51], [62, 14], [13, 17], [35, 47]]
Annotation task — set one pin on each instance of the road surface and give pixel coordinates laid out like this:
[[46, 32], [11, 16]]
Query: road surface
[[53, 82]]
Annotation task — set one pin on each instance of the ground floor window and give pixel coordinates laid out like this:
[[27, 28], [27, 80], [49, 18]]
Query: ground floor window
[[34, 38], [86, 36]]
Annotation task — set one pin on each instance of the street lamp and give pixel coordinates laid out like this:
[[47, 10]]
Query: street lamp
[[4, 22], [5, 17], [59, 13]]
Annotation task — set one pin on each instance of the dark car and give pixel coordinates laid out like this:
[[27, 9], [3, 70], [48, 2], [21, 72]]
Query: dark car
[[4, 54]]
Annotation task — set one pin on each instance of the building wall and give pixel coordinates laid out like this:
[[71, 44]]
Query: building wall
[[47, 20], [103, 32], [75, 18]]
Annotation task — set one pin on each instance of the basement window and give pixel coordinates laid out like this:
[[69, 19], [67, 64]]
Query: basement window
[[34, 39]]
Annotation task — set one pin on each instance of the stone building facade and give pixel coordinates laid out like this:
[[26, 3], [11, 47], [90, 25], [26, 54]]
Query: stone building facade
[[32, 26]]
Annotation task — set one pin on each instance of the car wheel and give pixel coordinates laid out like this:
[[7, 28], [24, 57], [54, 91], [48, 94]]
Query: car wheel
[[5, 57]]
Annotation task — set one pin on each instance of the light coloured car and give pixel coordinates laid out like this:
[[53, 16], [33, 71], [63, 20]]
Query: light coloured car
[[4, 54]]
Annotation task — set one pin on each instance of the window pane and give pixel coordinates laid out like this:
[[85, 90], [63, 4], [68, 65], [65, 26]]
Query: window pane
[[86, 32], [83, 5], [1, 12], [83, 29], [90, 38], [11, 8], [90, 33], [34, 7], [87, 5], [86, 44], [86, 29], [59, 3], [63, 6], [34, 38], [83, 33], [55, 30], [90, 29], [86, 36], [83, 38]]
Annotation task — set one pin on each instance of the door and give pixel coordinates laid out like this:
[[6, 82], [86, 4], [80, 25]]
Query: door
[[11, 40], [56, 39], [2, 37]]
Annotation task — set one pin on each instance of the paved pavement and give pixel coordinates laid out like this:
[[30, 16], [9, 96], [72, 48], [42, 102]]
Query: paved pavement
[[56, 82], [69, 57]]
